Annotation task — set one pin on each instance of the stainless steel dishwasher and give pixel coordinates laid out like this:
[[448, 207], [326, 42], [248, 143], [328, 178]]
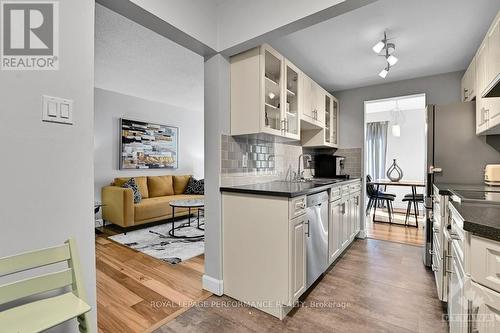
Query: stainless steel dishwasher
[[317, 235]]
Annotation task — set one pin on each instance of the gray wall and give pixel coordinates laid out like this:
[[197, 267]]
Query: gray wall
[[439, 89], [458, 150], [217, 122], [47, 168], [111, 106]]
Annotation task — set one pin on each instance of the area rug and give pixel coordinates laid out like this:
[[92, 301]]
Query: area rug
[[156, 242]]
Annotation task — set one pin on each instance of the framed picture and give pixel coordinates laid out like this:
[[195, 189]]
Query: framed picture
[[146, 145]]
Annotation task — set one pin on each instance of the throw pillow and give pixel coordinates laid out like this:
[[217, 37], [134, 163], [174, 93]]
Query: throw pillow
[[160, 186], [133, 185], [195, 186]]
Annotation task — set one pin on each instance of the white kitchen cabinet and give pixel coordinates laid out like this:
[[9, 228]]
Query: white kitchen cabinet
[[492, 76], [481, 66], [264, 261], [321, 95], [334, 132], [327, 134], [309, 99], [355, 214], [259, 94], [484, 310], [297, 252], [313, 104], [335, 230], [469, 82], [346, 223], [293, 102]]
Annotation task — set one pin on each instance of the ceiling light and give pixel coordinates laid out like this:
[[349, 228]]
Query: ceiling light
[[396, 130], [378, 47], [392, 60], [386, 49]]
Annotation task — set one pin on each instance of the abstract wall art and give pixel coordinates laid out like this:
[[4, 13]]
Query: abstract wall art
[[148, 146]]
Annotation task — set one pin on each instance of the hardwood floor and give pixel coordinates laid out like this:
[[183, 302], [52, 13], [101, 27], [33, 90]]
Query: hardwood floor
[[377, 286], [138, 293], [396, 232]]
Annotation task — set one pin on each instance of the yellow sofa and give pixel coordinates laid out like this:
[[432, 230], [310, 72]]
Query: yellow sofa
[[157, 191]]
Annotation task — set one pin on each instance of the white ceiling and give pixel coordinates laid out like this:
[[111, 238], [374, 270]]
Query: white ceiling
[[431, 37], [136, 61]]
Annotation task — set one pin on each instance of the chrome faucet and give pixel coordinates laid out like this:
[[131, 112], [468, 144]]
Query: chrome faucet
[[300, 174]]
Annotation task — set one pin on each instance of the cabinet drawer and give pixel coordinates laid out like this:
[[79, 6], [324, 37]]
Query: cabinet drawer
[[335, 193], [297, 206], [485, 269], [353, 188]]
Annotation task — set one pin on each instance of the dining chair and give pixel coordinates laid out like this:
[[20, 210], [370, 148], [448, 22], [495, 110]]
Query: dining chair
[[374, 196], [46, 311], [419, 198]]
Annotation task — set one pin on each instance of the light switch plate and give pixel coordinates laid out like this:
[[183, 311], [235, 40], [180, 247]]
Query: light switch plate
[[57, 110]]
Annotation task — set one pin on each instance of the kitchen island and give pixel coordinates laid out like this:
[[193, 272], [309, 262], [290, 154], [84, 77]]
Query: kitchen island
[[274, 233]]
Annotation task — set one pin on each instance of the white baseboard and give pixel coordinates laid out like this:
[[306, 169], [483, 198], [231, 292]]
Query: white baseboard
[[213, 285], [362, 234]]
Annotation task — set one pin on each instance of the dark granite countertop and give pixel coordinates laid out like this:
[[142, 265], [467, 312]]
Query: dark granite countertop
[[287, 189], [446, 188], [480, 218]]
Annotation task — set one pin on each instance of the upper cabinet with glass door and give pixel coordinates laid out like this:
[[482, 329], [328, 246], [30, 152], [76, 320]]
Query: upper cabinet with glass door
[[264, 94], [293, 100], [334, 132]]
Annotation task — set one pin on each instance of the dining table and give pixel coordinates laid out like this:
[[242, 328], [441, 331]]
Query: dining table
[[414, 184]]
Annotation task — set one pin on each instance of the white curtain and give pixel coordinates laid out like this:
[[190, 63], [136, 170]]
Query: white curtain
[[376, 148]]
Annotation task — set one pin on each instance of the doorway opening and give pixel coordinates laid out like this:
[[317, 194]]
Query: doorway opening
[[394, 170]]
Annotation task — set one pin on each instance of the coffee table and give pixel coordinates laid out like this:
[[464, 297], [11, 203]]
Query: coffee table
[[189, 204]]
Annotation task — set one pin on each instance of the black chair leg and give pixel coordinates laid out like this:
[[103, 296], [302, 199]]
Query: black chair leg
[[407, 212], [369, 206], [389, 210]]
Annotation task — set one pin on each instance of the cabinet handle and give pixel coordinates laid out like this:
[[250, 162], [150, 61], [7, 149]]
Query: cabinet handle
[[308, 232]]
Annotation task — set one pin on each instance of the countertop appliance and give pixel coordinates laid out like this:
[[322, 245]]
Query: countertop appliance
[[317, 235], [446, 161], [492, 174], [329, 166]]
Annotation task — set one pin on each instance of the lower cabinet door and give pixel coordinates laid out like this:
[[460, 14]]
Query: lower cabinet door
[[346, 223], [297, 241], [335, 231], [484, 310], [457, 303]]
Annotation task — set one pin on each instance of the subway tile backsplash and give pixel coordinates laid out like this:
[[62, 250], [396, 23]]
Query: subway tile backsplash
[[269, 159], [353, 161]]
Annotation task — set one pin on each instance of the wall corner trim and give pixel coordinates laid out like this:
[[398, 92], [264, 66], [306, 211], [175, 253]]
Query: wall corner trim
[[362, 234], [213, 285]]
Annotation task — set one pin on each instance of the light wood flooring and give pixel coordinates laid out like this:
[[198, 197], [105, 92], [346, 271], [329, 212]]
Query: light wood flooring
[[377, 286], [396, 232], [138, 293]]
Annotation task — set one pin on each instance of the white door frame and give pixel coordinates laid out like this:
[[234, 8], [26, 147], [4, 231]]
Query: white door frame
[[362, 233]]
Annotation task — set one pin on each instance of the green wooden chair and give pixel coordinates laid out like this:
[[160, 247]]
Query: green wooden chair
[[43, 314]]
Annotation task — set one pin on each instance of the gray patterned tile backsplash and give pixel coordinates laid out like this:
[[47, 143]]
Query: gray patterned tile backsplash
[[353, 161], [268, 159]]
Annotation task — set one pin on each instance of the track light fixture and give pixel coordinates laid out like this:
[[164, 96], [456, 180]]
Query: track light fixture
[[386, 49]]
